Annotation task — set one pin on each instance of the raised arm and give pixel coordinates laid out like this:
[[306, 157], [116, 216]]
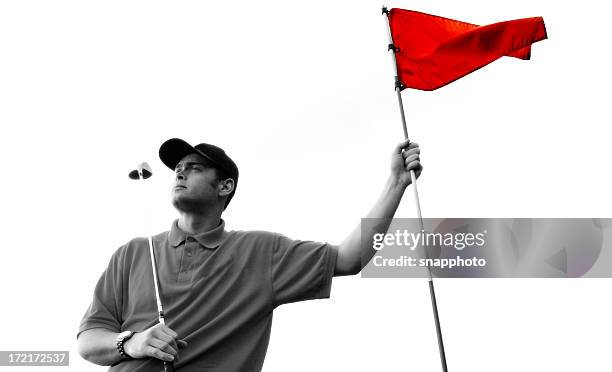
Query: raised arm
[[405, 157]]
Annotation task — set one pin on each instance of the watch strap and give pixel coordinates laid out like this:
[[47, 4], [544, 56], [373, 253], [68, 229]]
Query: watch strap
[[121, 340]]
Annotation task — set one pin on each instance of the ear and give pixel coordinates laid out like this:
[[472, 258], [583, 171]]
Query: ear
[[226, 186]]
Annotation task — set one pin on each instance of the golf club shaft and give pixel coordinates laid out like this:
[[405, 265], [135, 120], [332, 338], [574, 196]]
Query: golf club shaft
[[160, 309], [168, 366]]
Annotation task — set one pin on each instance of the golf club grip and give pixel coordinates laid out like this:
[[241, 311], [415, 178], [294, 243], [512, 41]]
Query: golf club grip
[[168, 367]]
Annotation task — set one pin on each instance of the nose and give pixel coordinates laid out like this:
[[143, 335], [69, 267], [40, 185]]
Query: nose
[[179, 175]]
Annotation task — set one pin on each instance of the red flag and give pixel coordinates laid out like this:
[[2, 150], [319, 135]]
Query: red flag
[[435, 51]]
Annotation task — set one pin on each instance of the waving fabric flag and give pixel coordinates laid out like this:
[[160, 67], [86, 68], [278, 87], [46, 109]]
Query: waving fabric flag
[[433, 51]]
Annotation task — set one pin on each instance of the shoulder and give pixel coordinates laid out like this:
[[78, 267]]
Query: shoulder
[[254, 234], [140, 241], [268, 239], [133, 245], [255, 238], [138, 246]]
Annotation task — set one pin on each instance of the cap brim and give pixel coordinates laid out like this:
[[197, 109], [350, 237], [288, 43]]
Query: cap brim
[[173, 150]]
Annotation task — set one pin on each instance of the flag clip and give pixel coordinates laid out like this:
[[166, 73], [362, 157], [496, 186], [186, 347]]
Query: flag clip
[[385, 10], [394, 48], [398, 84]]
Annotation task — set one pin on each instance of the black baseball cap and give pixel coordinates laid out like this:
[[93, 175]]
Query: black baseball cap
[[173, 150]]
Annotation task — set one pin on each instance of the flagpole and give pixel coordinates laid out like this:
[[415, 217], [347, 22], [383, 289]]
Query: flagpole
[[432, 293]]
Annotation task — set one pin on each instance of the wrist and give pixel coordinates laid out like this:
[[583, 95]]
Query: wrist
[[123, 344], [130, 346], [127, 348], [396, 184]]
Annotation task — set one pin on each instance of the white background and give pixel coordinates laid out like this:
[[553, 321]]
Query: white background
[[301, 95]]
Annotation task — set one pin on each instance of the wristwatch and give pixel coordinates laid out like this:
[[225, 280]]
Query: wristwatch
[[121, 339]]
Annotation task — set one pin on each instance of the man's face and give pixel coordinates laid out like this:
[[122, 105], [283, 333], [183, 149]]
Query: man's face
[[196, 185]]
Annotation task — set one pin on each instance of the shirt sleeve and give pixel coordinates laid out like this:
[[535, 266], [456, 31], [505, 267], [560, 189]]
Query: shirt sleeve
[[105, 308], [301, 270]]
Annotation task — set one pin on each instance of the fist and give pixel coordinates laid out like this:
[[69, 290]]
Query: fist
[[158, 342], [405, 158]]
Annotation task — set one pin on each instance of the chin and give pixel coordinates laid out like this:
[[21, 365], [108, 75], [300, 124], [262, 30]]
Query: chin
[[189, 205], [180, 202]]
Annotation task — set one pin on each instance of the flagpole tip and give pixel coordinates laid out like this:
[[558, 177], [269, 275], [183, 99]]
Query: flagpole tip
[[385, 10]]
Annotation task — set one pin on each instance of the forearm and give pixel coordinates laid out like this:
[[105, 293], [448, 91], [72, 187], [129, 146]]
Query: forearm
[[98, 345], [353, 253]]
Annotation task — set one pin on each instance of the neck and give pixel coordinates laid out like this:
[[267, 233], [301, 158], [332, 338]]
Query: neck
[[197, 223]]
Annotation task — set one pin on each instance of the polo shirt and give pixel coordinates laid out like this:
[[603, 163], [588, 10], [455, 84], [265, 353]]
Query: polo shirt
[[218, 290]]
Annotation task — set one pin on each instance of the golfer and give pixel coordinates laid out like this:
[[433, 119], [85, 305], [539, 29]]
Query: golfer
[[218, 287]]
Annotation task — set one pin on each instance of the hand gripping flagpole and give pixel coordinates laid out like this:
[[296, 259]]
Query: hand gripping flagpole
[[432, 293]]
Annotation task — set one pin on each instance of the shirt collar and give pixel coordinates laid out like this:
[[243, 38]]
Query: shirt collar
[[209, 239]]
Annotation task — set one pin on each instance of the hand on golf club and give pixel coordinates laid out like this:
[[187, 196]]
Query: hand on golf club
[[158, 342]]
